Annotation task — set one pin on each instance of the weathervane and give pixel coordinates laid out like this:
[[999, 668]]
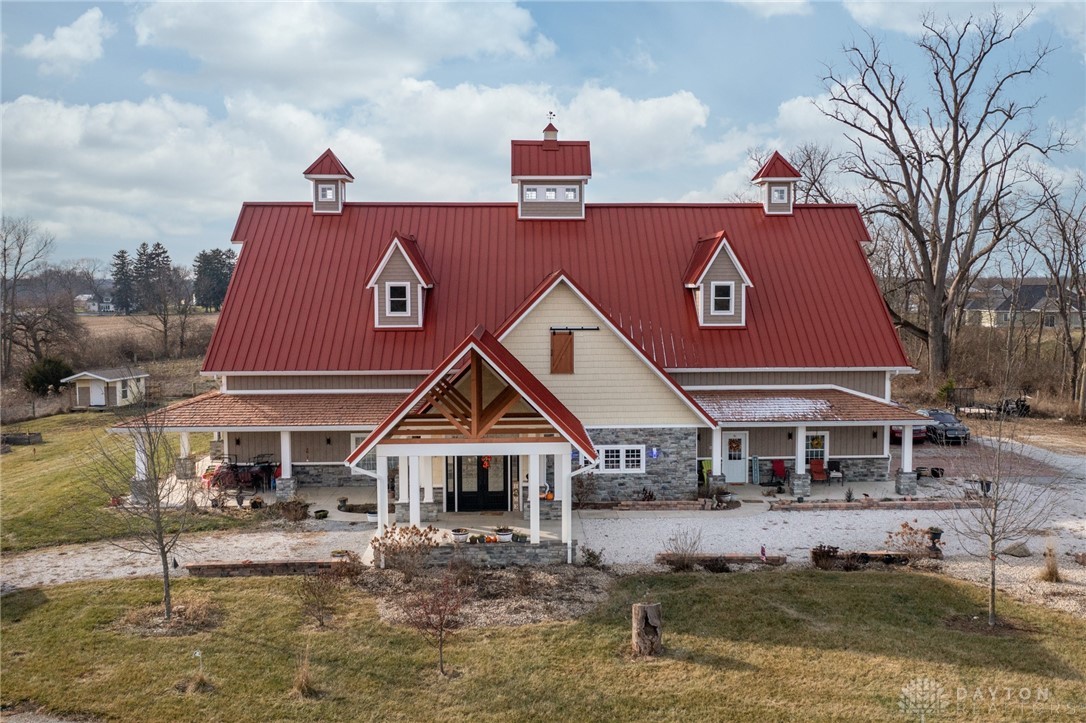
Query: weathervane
[[551, 115]]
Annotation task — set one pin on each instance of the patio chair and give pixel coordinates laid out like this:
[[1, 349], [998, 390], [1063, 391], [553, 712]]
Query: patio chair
[[818, 471], [835, 471], [780, 473]]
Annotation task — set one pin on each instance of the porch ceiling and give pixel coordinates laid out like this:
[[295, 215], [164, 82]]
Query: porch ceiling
[[215, 410], [799, 406]]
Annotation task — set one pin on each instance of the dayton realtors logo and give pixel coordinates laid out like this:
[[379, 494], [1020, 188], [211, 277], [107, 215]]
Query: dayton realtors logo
[[923, 698]]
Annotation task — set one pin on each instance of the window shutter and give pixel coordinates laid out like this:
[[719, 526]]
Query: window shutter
[[561, 352]]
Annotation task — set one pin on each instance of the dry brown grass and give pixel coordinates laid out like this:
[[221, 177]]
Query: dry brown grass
[[103, 325], [192, 613], [304, 685]]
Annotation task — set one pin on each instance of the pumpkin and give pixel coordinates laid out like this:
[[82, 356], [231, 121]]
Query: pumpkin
[[550, 495]]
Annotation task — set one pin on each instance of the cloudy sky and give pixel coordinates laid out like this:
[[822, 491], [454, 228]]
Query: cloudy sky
[[131, 122]]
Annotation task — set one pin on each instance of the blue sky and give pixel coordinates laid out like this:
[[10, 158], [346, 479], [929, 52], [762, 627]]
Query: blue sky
[[132, 122]]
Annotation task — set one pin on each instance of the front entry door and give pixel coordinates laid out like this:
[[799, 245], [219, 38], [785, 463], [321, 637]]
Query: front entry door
[[481, 483], [734, 464]]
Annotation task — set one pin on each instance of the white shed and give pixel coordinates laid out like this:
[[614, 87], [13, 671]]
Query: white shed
[[108, 387]]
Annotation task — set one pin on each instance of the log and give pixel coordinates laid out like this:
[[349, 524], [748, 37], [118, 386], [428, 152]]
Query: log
[[647, 629]]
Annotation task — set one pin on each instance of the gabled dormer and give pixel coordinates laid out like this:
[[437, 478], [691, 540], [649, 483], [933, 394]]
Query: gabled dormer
[[400, 282], [330, 178], [551, 176], [778, 179], [718, 283]]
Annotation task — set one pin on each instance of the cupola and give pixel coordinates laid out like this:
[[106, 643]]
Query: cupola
[[778, 180], [550, 176], [330, 178]]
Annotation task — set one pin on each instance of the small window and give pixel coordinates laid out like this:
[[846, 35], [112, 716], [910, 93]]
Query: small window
[[124, 389], [723, 301], [623, 458], [571, 193], [397, 301], [552, 193], [326, 192], [816, 445], [780, 194], [531, 194]]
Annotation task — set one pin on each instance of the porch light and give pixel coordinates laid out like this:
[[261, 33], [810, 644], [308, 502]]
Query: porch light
[[654, 452], [237, 441], [789, 435], [328, 440], [875, 434]]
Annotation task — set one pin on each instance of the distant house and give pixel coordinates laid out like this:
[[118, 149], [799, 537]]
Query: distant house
[[107, 387], [1028, 302]]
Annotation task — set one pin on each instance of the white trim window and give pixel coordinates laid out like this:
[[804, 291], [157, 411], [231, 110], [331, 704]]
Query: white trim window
[[397, 299], [817, 446], [369, 462], [778, 194], [551, 194], [723, 298], [531, 193], [124, 389], [570, 193], [622, 459], [326, 192]]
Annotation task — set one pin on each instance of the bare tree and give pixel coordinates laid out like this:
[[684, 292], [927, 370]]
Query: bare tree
[[433, 611], [167, 301], [949, 173], [26, 250], [133, 471]]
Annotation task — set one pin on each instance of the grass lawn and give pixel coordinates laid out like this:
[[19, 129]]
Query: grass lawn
[[780, 645], [45, 494]]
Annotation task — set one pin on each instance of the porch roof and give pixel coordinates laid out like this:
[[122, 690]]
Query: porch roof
[[798, 406], [215, 410]]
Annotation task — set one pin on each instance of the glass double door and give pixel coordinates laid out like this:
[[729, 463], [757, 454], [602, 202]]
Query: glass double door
[[479, 483]]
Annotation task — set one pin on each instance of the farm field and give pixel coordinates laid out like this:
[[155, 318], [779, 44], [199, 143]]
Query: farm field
[[772, 645], [111, 324]]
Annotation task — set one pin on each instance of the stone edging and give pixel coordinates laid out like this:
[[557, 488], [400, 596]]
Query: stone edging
[[788, 506], [261, 568]]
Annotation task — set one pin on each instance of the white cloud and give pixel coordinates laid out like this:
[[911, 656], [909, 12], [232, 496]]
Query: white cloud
[[775, 8], [71, 46], [323, 55], [1067, 17]]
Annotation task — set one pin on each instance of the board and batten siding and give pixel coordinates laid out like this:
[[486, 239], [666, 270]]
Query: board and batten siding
[[346, 382], [844, 441], [722, 270], [305, 446], [866, 382], [398, 271], [610, 385]]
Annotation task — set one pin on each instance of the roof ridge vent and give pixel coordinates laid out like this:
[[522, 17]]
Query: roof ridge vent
[[550, 138]]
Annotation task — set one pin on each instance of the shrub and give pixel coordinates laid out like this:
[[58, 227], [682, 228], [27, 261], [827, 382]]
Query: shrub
[[524, 581], [682, 548], [44, 376], [849, 495], [404, 548], [433, 612], [319, 595], [911, 540], [304, 685], [715, 565], [824, 557], [585, 488], [1051, 571], [647, 495], [295, 509], [592, 558], [462, 571]]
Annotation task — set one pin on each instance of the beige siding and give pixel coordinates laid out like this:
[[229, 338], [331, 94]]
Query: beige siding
[[779, 207], [397, 270], [873, 383], [551, 209], [844, 441], [82, 395], [111, 394], [319, 205], [346, 382], [252, 444], [722, 270], [314, 447], [610, 384]]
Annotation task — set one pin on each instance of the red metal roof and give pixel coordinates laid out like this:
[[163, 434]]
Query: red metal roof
[[799, 405], [559, 159], [298, 302], [414, 256], [237, 411], [704, 252], [327, 165], [501, 360], [777, 167]]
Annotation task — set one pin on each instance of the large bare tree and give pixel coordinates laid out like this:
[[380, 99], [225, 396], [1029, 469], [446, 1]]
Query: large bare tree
[[26, 250], [944, 160]]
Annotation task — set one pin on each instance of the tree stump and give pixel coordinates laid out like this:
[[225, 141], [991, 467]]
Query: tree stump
[[647, 629]]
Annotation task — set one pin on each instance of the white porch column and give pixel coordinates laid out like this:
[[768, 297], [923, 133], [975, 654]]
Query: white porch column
[[801, 449], [563, 480], [906, 448], [718, 449], [286, 458], [139, 443], [533, 495], [401, 480], [426, 479], [382, 493], [186, 446], [413, 490]]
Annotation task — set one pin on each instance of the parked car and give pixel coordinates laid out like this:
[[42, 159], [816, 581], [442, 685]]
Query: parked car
[[945, 428], [920, 431]]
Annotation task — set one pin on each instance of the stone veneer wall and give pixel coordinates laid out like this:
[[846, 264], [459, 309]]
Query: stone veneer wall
[[867, 469], [329, 475], [428, 511], [671, 476], [503, 554], [548, 510]]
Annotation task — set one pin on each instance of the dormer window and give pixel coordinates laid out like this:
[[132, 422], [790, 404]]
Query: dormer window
[[551, 177], [571, 193], [780, 194], [397, 299], [329, 178], [723, 297], [778, 179], [531, 194], [552, 193], [326, 192]]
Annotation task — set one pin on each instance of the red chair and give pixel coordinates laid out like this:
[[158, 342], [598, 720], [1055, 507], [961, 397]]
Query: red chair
[[818, 471], [780, 472]]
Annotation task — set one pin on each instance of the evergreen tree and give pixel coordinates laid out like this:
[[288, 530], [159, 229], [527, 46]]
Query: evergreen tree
[[123, 282], [212, 275]]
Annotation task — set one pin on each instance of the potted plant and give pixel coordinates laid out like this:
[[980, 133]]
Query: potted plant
[[460, 534], [341, 503], [505, 534], [934, 534], [256, 502], [370, 510], [320, 514]]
